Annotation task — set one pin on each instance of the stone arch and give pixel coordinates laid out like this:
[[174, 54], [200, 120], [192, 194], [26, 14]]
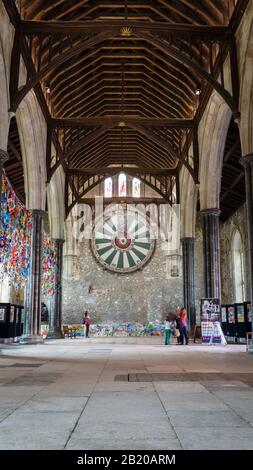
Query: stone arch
[[212, 138], [188, 203], [32, 133], [245, 59], [4, 118], [55, 203], [6, 40]]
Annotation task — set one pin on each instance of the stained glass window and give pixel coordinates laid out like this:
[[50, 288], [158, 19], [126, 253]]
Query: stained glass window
[[122, 185], [108, 187], [136, 187]]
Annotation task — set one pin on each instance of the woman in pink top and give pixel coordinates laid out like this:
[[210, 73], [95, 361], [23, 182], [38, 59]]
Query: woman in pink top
[[86, 324], [184, 332]]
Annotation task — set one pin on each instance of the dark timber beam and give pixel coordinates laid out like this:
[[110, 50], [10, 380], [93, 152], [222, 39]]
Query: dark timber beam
[[219, 33], [232, 149], [60, 59], [233, 185], [14, 16], [15, 65], [165, 196], [128, 200], [106, 120], [80, 143], [161, 142], [193, 65], [14, 150], [117, 169]]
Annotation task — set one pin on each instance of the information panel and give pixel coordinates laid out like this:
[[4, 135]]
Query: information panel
[[211, 331]]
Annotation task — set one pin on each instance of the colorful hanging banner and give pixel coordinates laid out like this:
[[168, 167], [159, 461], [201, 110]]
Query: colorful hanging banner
[[15, 238], [49, 269]]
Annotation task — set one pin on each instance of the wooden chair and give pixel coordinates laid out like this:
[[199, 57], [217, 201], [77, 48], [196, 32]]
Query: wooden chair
[[67, 331]]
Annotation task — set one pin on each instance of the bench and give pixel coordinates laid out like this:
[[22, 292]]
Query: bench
[[68, 331]]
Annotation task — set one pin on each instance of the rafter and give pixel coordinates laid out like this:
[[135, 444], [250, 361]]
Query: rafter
[[183, 58], [165, 145], [130, 171], [87, 27], [113, 121], [77, 49], [85, 141]]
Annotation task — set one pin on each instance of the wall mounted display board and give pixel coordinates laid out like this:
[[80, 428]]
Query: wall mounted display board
[[211, 331]]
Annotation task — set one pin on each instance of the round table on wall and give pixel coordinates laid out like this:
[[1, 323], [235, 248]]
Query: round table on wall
[[122, 242]]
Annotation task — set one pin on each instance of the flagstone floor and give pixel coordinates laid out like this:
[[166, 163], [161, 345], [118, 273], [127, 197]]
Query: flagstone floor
[[125, 393]]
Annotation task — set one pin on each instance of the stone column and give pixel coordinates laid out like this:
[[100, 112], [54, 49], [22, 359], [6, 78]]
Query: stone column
[[247, 163], [3, 158], [211, 251], [55, 314], [32, 326], [188, 245]]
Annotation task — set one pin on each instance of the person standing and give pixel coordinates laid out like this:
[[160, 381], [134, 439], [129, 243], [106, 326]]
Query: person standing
[[167, 330], [178, 327], [184, 331], [86, 324]]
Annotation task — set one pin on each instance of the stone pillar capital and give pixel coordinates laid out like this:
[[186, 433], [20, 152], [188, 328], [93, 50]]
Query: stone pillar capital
[[212, 211], [188, 240], [4, 156], [244, 161], [38, 212], [58, 241]]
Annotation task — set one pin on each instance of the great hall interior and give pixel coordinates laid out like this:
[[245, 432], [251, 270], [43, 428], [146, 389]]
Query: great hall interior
[[115, 114]]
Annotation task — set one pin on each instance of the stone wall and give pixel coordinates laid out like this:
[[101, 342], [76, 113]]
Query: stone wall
[[144, 295], [237, 221]]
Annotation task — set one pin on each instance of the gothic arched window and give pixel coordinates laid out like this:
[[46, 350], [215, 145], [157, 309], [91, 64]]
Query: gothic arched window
[[108, 187], [238, 267], [136, 187], [122, 185]]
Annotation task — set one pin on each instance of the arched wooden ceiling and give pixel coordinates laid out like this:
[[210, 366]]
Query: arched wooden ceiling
[[123, 76], [117, 79], [14, 166], [211, 12]]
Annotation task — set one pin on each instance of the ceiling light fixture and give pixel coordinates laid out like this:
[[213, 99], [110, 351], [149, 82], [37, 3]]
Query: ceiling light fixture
[[47, 87], [126, 31], [197, 91]]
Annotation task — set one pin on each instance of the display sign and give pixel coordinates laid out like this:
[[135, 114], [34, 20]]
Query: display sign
[[249, 313], [12, 313], [240, 313], [22, 314], [223, 314], [211, 331], [231, 314], [2, 315]]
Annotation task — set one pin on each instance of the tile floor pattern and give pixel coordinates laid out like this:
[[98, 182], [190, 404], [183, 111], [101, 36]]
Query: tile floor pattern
[[65, 395]]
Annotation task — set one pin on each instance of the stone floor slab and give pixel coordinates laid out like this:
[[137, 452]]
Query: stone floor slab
[[79, 405], [205, 419], [222, 438]]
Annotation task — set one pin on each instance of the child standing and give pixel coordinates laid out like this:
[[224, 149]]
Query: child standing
[[167, 328]]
